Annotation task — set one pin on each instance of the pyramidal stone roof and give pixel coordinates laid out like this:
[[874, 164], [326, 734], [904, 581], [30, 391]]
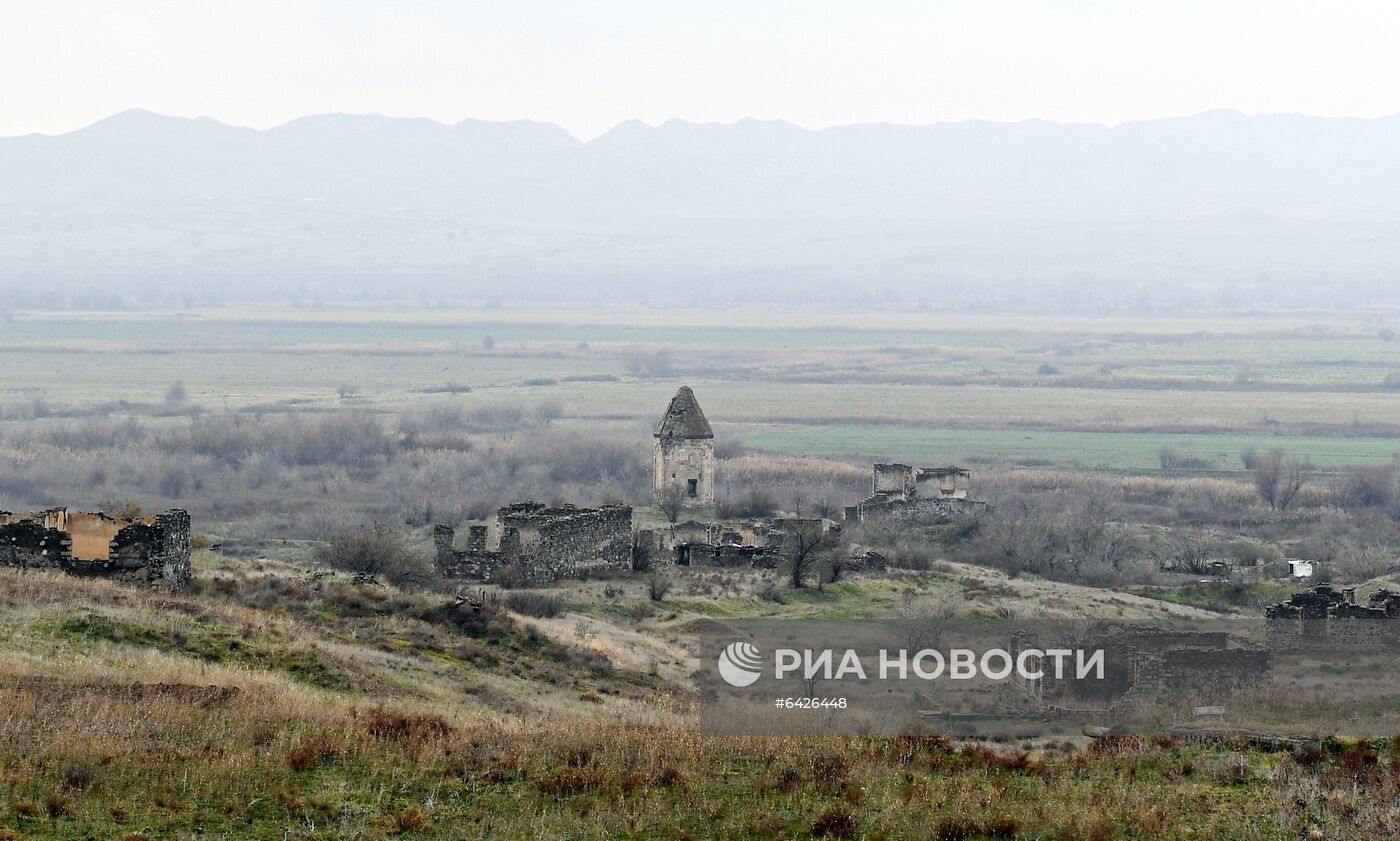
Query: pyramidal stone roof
[[683, 418]]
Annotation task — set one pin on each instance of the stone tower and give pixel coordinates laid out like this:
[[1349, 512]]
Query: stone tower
[[685, 451]]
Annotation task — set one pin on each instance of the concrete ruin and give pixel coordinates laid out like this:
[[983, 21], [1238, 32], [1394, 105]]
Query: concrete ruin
[[1327, 618], [152, 551], [902, 492], [537, 544], [684, 461]]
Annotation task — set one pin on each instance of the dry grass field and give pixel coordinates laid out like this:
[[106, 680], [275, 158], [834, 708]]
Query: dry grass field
[[269, 703]]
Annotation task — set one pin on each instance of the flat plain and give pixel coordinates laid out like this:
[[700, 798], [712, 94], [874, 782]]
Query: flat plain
[[1093, 393]]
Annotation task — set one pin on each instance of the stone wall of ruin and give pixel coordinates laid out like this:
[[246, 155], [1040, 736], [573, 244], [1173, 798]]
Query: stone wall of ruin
[[1327, 619], [540, 544], [911, 509], [474, 563], [1205, 675], [153, 551], [892, 479]]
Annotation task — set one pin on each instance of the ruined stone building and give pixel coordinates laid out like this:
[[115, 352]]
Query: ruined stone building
[[153, 551], [538, 544], [1326, 618], [899, 491], [685, 452], [763, 544], [694, 543], [1147, 665]]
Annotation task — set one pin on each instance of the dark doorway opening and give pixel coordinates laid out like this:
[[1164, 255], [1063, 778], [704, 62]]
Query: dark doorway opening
[[692, 488]]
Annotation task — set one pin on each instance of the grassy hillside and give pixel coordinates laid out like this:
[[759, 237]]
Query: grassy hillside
[[273, 702]]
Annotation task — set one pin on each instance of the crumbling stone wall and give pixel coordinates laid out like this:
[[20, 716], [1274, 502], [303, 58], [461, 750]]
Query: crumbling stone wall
[[1327, 618], [540, 544], [1144, 664], [153, 551], [910, 509], [764, 545], [1204, 674], [474, 563], [892, 479], [901, 492]]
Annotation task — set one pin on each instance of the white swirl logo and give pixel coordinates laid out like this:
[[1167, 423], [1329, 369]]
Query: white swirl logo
[[740, 664]]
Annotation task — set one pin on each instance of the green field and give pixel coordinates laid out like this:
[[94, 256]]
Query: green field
[[1113, 451], [911, 386]]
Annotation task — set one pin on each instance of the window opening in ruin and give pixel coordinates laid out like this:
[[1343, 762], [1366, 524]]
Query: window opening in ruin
[[692, 487]]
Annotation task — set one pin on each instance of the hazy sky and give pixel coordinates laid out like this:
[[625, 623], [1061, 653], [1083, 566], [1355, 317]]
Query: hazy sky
[[589, 65]]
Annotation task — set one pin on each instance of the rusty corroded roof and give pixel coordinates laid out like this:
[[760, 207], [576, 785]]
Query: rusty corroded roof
[[683, 418]]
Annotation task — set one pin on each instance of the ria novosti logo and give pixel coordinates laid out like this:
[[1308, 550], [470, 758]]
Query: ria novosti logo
[[740, 664]]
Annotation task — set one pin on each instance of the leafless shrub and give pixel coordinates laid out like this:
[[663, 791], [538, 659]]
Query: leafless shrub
[[1185, 550], [1371, 487], [768, 591], [438, 417], [658, 586], [532, 603], [374, 551]]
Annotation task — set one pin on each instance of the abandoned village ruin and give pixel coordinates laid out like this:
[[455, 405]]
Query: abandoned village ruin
[[152, 551], [530, 542]]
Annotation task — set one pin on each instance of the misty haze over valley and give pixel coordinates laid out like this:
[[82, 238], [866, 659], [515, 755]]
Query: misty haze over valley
[[1218, 210]]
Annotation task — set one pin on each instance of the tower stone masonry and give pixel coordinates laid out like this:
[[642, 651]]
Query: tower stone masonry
[[685, 452]]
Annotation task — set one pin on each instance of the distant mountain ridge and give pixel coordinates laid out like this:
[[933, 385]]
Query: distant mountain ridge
[[1219, 197]]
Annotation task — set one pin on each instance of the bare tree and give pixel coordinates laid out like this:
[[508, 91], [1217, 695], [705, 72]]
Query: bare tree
[[826, 504], [1279, 480], [671, 502], [922, 624], [1362, 562], [1295, 475], [803, 543], [1187, 551], [1076, 632], [798, 496]]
